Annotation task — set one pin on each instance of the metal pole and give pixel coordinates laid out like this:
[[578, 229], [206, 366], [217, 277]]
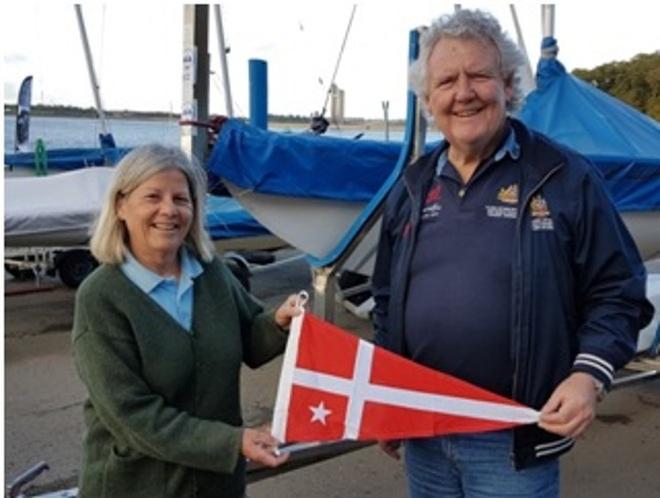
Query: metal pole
[[386, 115], [258, 75], [548, 19], [229, 108], [90, 68], [195, 101], [528, 80]]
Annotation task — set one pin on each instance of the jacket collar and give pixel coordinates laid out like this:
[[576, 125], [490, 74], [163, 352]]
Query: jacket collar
[[537, 155]]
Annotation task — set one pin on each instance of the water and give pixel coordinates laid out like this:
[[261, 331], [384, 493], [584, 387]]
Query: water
[[83, 132], [59, 132]]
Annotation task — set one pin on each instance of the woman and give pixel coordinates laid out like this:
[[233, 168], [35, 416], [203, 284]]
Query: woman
[[161, 329]]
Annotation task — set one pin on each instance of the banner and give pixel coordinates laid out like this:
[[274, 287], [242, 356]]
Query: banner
[[23, 115], [335, 386]]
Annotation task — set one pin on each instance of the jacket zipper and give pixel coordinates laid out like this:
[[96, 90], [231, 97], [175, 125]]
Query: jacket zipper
[[521, 277], [414, 220]]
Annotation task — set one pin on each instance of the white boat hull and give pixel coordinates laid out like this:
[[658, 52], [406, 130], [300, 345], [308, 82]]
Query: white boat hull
[[315, 226]]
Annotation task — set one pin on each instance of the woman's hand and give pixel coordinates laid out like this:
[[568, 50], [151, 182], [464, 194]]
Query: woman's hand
[[259, 446], [391, 447], [287, 310]]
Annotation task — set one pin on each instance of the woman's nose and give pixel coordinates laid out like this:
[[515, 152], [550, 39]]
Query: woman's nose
[[167, 205]]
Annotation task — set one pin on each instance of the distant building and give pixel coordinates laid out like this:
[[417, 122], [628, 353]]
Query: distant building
[[336, 104]]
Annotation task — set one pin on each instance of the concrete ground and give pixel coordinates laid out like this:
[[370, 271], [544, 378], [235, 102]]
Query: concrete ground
[[619, 456]]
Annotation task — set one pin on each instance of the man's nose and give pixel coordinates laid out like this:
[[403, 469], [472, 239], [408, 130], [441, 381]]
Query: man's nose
[[464, 88]]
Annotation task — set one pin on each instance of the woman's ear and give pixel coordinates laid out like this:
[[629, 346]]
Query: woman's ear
[[120, 206]]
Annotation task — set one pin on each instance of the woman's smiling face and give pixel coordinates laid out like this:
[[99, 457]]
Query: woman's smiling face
[[158, 215]]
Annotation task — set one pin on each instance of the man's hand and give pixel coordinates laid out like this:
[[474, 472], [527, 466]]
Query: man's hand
[[391, 448], [572, 406], [259, 446]]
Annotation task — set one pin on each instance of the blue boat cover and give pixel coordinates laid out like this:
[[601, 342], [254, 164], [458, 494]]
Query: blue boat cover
[[69, 159], [227, 219], [301, 165], [622, 142], [66, 159]]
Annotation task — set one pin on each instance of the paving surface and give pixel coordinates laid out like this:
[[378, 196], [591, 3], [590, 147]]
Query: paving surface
[[619, 456]]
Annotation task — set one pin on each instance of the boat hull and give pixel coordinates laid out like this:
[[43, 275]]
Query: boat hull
[[315, 226]]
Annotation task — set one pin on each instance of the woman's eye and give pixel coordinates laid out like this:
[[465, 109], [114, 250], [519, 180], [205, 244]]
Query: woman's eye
[[182, 200]]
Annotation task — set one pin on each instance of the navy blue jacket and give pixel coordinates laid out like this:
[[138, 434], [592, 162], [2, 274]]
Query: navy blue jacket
[[578, 289]]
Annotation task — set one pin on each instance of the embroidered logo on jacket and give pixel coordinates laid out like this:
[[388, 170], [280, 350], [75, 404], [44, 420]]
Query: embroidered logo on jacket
[[540, 214], [432, 206], [506, 195]]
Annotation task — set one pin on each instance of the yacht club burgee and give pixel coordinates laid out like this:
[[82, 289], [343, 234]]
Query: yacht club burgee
[[336, 386]]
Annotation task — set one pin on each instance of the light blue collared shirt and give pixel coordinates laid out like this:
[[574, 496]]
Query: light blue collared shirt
[[510, 147], [174, 297]]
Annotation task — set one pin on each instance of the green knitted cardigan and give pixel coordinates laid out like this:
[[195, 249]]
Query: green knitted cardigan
[[163, 415]]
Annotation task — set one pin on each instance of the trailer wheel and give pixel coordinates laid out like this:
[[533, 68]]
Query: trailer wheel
[[20, 274], [74, 265]]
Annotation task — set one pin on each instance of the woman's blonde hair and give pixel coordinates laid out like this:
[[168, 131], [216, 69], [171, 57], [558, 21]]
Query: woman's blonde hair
[[109, 241]]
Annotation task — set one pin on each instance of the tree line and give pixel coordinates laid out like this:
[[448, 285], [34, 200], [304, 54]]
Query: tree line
[[636, 82]]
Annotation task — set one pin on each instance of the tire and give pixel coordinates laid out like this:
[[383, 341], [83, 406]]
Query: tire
[[74, 265], [20, 274]]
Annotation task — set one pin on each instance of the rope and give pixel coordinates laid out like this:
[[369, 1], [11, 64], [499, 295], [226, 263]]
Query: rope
[[341, 53]]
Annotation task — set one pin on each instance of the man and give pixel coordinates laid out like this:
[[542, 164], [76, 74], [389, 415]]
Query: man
[[502, 261]]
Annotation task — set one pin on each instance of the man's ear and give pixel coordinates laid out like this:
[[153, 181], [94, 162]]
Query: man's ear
[[508, 88]]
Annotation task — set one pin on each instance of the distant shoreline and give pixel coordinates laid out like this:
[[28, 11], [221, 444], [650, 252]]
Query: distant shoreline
[[275, 121]]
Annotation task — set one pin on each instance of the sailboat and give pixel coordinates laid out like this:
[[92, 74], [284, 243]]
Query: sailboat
[[22, 163], [339, 232]]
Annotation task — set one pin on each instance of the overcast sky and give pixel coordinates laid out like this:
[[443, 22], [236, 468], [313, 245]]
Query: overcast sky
[[137, 48]]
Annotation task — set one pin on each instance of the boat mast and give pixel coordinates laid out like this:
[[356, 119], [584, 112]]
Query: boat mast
[[90, 68], [548, 19], [195, 79], [223, 61]]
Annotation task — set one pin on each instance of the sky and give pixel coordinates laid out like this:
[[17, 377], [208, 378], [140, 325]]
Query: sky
[[137, 48]]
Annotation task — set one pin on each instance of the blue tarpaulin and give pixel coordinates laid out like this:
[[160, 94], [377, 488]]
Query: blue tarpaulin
[[301, 165], [622, 142], [226, 219], [70, 159]]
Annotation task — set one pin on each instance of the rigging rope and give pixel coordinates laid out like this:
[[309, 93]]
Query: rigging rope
[[319, 124]]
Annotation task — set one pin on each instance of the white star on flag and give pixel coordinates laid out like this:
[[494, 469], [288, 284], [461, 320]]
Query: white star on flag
[[375, 394], [319, 413]]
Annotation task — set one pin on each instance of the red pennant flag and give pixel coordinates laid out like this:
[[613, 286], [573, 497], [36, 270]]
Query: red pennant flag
[[336, 386]]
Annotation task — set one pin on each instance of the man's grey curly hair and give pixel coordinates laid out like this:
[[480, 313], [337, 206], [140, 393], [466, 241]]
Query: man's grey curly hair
[[474, 25]]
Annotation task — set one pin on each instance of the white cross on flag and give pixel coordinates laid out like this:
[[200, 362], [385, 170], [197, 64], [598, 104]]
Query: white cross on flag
[[336, 386]]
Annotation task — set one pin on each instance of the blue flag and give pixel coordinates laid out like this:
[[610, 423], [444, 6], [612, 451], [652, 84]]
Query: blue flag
[[23, 115]]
